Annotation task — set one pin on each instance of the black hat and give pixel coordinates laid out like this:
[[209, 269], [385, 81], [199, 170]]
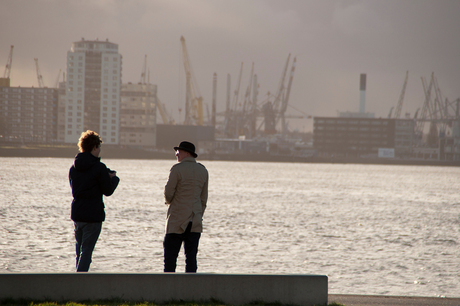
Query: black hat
[[187, 146]]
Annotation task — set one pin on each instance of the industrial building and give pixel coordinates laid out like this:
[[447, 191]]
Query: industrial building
[[138, 115], [169, 136], [93, 90], [28, 114], [361, 137]]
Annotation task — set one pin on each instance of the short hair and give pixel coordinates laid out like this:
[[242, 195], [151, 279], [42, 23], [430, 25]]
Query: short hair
[[88, 140]]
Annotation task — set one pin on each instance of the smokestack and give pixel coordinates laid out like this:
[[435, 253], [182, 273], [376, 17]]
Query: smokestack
[[362, 93], [214, 94]]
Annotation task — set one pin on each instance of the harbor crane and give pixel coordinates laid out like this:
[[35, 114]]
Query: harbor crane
[[9, 62], [441, 114], [401, 98], [39, 75], [57, 79], [193, 99], [284, 105], [145, 79], [144, 71], [165, 116]]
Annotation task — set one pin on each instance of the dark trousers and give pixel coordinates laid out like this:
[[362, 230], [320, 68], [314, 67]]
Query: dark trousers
[[172, 244], [86, 235]]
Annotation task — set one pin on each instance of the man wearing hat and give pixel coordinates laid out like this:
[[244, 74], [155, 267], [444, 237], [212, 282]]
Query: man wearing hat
[[186, 193]]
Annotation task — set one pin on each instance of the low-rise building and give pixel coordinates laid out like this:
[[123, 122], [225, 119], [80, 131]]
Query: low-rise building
[[359, 137]]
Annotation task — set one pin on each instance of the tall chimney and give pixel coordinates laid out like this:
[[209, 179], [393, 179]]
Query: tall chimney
[[362, 93], [214, 94]]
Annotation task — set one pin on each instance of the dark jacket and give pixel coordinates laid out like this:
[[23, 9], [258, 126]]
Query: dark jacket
[[89, 180]]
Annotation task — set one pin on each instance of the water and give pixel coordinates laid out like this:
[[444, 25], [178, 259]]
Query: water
[[373, 229]]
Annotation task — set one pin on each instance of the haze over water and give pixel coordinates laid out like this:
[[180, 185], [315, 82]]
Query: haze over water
[[373, 229]]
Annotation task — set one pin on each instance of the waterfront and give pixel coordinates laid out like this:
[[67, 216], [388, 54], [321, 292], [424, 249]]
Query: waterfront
[[373, 229]]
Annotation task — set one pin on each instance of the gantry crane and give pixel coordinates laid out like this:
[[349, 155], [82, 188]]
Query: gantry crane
[[193, 99], [9, 62], [39, 75]]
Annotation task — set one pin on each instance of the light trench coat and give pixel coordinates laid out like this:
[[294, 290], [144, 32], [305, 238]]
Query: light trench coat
[[186, 193]]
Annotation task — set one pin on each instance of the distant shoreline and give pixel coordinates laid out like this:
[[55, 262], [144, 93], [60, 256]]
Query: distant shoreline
[[111, 152]]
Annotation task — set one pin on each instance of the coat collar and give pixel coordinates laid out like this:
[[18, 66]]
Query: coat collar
[[188, 159]]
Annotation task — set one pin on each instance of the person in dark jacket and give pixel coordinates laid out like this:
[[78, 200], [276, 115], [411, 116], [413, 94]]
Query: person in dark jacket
[[89, 180]]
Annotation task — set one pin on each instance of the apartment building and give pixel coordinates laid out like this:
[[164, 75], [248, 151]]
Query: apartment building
[[138, 115], [94, 70], [28, 114]]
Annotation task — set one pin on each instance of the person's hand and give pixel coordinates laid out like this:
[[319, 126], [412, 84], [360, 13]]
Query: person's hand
[[113, 174]]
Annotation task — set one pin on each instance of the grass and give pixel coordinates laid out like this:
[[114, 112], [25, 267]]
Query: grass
[[125, 303]]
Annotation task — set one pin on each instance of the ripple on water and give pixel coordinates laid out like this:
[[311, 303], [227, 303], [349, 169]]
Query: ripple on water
[[371, 229]]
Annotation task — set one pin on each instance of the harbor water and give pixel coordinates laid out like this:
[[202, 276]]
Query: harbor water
[[373, 229]]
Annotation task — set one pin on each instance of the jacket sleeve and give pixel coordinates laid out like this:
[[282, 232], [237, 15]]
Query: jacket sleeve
[[204, 195], [108, 184], [171, 185]]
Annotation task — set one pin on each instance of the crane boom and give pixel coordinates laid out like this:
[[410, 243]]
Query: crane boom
[[401, 97], [144, 71], [163, 113], [237, 91], [57, 80], [9, 62], [285, 102], [281, 86], [193, 100], [426, 105], [39, 75]]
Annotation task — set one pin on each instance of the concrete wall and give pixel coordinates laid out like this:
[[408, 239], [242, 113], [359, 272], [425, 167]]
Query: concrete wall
[[228, 288]]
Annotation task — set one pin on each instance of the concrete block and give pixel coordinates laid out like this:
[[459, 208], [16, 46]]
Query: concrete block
[[234, 289]]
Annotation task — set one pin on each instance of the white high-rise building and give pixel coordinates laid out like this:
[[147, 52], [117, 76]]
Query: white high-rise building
[[93, 90]]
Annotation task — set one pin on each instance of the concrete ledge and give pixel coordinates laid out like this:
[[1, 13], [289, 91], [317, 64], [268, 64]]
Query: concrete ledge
[[229, 288]]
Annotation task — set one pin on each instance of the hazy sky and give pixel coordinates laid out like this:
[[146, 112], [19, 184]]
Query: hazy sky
[[334, 41]]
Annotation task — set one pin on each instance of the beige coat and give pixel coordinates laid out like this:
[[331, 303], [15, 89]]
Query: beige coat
[[186, 193]]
